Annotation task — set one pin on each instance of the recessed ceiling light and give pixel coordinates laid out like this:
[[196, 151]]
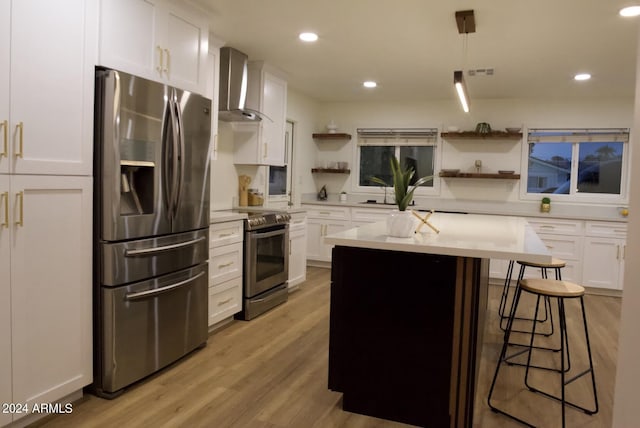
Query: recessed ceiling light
[[369, 84], [630, 11], [308, 37], [582, 76]]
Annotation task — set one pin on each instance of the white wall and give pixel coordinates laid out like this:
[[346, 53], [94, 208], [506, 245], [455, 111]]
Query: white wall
[[224, 179], [303, 112], [625, 409], [500, 113]]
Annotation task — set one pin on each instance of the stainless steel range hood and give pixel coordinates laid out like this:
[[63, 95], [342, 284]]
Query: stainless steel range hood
[[233, 88]]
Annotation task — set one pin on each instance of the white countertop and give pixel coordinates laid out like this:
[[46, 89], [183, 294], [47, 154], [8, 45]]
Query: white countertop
[[466, 235], [225, 215]]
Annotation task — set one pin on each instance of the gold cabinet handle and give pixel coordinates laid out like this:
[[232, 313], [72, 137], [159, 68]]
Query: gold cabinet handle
[[167, 63], [264, 154], [161, 59], [617, 252], [19, 129], [5, 196], [20, 197], [224, 265], [223, 302], [5, 145]]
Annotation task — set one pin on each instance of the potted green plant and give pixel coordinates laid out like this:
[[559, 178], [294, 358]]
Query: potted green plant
[[400, 222], [545, 205]]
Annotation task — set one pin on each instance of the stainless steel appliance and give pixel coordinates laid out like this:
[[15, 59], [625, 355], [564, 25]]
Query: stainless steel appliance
[[151, 227], [266, 262]]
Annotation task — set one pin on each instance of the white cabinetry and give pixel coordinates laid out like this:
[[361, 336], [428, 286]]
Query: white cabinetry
[[297, 249], [564, 239], [49, 277], [263, 143], [604, 254], [160, 40], [362, 216], [225, 270], [46, 107], [322, 221], [213, 91], [5, 299]]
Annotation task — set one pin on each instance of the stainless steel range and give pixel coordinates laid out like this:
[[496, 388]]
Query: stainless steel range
[[266, 262]]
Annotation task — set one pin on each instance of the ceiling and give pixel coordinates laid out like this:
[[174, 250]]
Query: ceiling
[[412, 47]]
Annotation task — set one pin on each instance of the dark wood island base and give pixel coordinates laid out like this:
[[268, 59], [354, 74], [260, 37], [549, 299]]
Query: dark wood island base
[[406, 334]]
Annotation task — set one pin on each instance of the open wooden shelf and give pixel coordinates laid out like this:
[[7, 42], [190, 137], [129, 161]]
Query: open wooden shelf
[[471, 135], [332, 136], [331, 170], [479, 175]]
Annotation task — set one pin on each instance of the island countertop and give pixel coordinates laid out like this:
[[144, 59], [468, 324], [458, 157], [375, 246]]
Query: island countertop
[[466, 235]]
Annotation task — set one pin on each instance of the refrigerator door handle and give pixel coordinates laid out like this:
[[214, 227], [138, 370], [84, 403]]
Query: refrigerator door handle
[[153, 250], [167, 154], [150, 293], [181, 154], [175, 158]]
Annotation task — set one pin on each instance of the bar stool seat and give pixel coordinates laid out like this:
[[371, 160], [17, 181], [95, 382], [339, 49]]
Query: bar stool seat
[[559, 290], [554, 264], [552, 288]]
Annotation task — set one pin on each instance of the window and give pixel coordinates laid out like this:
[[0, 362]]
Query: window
[[412, 147], [577, 162]]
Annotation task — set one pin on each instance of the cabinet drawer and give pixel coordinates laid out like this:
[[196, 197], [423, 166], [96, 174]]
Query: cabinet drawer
[[298, 222], [328, 212], [607, 229], [557, 226], [563, 247], [225, 263], [369, 215], [225, 300], [224, 233]]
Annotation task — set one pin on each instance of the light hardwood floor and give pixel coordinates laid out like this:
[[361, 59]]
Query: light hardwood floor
[[272, 372]]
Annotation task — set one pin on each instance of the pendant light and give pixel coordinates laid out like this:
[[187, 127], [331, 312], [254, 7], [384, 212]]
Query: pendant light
[[465, 20]]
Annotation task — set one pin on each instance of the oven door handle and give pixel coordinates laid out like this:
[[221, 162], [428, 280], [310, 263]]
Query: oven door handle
[[258, 234], [156, 291], [153, 250]]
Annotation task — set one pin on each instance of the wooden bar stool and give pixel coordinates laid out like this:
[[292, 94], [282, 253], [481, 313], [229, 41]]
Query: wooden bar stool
[[555, 264], [560, 290]]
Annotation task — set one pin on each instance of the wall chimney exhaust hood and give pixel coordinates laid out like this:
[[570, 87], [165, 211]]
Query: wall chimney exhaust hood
[[233, 88]]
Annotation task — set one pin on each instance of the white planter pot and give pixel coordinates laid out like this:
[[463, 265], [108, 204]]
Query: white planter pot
[[400, 224]]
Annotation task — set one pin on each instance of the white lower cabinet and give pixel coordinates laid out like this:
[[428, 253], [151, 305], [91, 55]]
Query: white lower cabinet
[[225, 270], [322, 221], [45, 255], [5, 301], [297, 249], [604, 255]]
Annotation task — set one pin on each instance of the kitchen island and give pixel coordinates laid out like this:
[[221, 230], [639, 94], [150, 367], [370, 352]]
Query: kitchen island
[[407, 314]]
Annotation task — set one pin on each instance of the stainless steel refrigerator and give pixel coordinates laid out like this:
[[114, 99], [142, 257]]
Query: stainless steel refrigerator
[[151, 227]]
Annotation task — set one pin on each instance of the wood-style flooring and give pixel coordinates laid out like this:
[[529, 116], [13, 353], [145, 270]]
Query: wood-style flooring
[[272, 372]]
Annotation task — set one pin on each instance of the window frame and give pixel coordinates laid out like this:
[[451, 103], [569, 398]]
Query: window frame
[[575, 137], [397, 138]]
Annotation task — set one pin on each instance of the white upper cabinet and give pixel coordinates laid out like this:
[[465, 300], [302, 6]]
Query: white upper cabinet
[[5, 38], [264, 143], [156, 39], [46, 107]]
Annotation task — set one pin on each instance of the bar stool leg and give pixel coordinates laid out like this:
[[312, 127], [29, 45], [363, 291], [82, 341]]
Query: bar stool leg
[[564, 354], [501, 358], [505, 297]]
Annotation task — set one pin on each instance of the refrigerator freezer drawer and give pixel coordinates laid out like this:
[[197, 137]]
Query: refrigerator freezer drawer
[[150, 324], [125, 262]]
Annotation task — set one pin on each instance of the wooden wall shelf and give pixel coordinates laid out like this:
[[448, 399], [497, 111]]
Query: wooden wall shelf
[[330, 170], [479, 175], [332, 136], [471, 135]]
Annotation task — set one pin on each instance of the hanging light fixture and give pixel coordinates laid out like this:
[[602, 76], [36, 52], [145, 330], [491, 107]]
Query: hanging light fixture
[[465, 20], [461, 89]]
